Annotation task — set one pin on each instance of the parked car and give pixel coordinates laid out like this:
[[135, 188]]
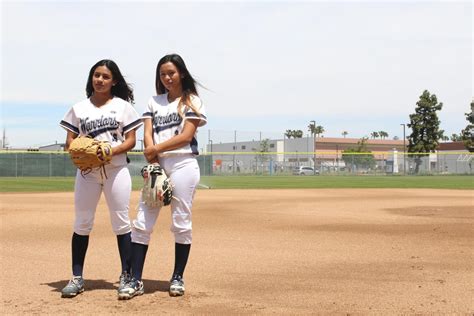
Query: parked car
[[304, 171]]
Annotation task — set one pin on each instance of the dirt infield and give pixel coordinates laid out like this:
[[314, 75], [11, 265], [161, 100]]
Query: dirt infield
[[324, 251]]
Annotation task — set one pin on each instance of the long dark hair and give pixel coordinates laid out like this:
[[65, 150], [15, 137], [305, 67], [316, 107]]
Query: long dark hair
[[121, 88], [187, 81]]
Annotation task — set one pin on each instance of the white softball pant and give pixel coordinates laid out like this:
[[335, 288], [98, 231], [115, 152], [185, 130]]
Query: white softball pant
[[116, 187], [183, 171]]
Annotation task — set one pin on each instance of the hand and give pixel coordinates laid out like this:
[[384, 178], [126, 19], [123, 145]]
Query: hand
[[151, 154], [99, 152]]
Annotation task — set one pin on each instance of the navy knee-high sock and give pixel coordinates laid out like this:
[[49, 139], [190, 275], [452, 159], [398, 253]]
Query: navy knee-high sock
[[181, 255], [138, 259], [79, 248], [124, 243]]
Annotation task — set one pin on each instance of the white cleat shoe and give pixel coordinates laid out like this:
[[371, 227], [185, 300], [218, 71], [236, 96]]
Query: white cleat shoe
[[176, 286], [131, 289]]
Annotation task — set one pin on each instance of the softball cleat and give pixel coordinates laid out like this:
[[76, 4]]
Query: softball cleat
[[131, 289], [176, 286], [74, 287]]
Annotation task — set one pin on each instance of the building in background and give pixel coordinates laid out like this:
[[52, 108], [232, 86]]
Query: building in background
[[282, 155], [53, 147], [274, 156]]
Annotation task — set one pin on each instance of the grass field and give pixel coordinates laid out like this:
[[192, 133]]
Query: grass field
[[65, 184]]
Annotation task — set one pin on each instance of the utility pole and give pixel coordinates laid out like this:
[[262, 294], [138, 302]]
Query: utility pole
[[313, 131], [235, 147], [404, 150], [4, 139]]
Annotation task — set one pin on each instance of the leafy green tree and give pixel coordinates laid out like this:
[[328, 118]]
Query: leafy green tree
[[467, 134], [359, 156], [424, 123], [294, 133], [264, 148], [344, 133], [455, 137], [298, 133]]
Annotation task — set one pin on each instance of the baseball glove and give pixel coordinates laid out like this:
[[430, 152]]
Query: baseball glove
[[87, 153], [157, 189]]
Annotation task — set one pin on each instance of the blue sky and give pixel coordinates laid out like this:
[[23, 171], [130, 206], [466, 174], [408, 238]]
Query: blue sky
[[268, 66]]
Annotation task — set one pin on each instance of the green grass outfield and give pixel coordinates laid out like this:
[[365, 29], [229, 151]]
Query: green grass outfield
[[66, 184]]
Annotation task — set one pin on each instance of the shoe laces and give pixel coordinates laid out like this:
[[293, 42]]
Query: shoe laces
[[134, 283], [176, 277], [76, 280], [124, 276]]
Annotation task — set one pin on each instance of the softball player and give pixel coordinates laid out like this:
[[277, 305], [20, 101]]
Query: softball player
[[171, 121], [106, 115]]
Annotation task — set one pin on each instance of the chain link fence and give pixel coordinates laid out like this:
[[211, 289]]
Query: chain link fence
[[58, 164]]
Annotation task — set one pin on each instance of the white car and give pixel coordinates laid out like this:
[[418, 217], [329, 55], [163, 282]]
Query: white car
[[304, 171]]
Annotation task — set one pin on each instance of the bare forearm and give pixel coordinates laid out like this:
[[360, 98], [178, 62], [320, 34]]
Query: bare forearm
[[175, 142], [148, 141], [178, 141], [127, 145], [69, 138]]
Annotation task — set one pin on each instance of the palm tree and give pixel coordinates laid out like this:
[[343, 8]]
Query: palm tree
[[383, 134], [319, 130], [289, 133], [298, 133], [344, 133], [374, 135], [312, 129]]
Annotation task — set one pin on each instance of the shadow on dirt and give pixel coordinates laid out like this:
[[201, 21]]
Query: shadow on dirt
[[151, 286]]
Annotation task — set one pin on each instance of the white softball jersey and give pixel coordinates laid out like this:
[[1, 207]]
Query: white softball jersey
[[168, 123], [180, 165], [109, 122]]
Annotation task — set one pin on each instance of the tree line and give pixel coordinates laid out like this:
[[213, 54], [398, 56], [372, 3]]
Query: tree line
[[319, 131]]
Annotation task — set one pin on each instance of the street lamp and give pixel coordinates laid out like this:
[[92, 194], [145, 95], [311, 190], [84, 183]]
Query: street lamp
[[404, 149], [313, 131]]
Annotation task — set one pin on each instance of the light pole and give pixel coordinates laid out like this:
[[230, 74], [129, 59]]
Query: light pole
[[284, 135], [404, 149], [235, 147], [312, 128]]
